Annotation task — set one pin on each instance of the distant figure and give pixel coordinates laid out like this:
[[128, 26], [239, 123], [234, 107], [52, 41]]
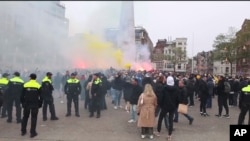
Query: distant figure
[[14, 91], [31, 102], [73, 89]]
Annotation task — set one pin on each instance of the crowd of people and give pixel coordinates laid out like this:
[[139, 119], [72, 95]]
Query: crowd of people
[[149, 96]]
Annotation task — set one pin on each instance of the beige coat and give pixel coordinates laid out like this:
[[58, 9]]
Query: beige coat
[[146, 110]]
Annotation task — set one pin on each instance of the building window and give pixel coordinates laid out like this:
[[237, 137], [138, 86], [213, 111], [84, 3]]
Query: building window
[[185, 43], [169, 66], [179, 43], [227, 69], [179, 66]]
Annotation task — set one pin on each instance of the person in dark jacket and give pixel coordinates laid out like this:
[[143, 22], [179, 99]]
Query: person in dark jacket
[[127, 91], [48, 100], [31, 100], [117, 84], [73, 89], [14, 91], [147, 80], [203, 92], [210, 85], [96, 94], [169, 104], [236, 89], [222, 98], [3, 99], [244, 104], [190, 90], [183, 98], [136, 92], [104, 88]]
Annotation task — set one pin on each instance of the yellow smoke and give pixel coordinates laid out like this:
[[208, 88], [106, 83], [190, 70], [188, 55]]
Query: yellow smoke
[[102, 52]]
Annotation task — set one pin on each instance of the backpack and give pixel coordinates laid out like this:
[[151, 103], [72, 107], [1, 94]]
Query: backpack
[[227, 87]]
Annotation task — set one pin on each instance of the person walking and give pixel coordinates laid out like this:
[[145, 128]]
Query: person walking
[[31, 102], [3, 100]]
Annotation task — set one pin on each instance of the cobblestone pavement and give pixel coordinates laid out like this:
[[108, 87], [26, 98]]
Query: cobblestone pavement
[[113, 126]]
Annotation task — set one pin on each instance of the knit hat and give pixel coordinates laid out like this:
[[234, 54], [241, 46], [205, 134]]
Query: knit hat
[[170, 81]]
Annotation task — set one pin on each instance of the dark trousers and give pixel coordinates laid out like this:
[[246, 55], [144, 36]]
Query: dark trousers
[[209, 101], [10, 108], [235, 98], [147, 130], [222, 102], [231, 99], [103, 102], [26, 113], [51, 105], [170, 121], [203, 103], [86, 101], [4, 108], [243, 112], [95, 106], [75, 99], [176, 116], [191, 98], [188, 116]]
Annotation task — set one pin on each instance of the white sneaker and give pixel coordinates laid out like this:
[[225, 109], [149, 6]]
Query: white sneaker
[[115, 107], [143, 136], [131, 121], [151, 136], [61, 102]]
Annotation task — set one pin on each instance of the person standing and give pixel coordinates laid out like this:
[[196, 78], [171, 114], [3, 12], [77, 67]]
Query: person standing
[[136, 92], [73, 89], [244, 104], [222, 98], [203, 92], [3, 100], [146, 108], [14, 91], [31, 101], [168, 105], [96, 95], [63, 82], [48, 100]]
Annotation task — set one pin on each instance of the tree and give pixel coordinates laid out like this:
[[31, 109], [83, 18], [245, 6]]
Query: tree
[[225, 47]]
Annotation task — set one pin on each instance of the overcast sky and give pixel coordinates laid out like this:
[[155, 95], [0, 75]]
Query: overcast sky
[[199, 21]]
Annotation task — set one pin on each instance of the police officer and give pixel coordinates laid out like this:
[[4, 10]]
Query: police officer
[[73, 89], [46, 92], [96, 96], [3, 100], [31, 102], [244, 104], [14, 91]]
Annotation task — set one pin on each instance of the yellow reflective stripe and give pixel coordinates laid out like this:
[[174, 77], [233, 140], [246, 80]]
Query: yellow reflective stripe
[[32, 84], [97, 81], [246, 90], [73, 81], [16, 79], [46, 79], [4, 81]]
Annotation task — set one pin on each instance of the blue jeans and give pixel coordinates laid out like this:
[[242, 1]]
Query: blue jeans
[[117, 96], [133, 112], [112, 93]]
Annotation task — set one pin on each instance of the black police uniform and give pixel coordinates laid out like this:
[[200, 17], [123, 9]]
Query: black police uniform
[[14, 91], [31, 102], [244, 104], [73, 89], [3, 100], [96, 96], [48, 100]]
